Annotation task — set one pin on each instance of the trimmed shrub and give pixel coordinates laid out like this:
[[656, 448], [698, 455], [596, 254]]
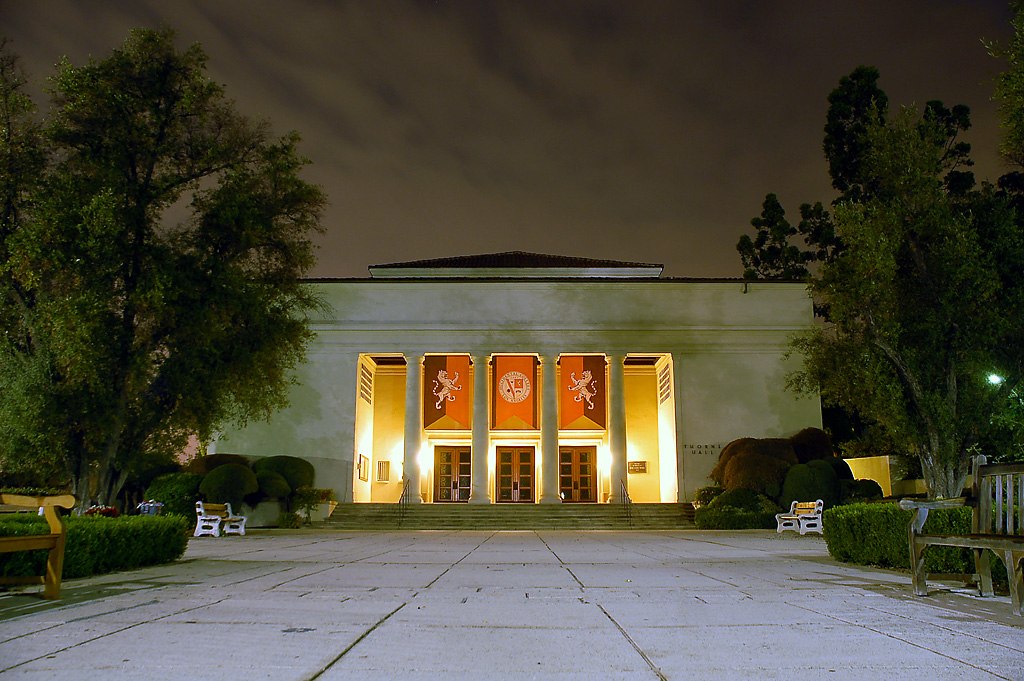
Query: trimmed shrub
[[728, 451], [737, 509], [809, 482], [273, 485], [229, 483], [297, 472], [859, 490], [776, 448], [730, 518], [755, 471], [97, 544], [840, 467], [178, 492], [703, 496], [742, 498], [203, 465], [810, 444], [876, 534]]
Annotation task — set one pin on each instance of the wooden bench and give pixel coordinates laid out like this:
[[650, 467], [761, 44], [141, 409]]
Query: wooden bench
[[997, 524], [803, 517], [53, 543], [213, 519]]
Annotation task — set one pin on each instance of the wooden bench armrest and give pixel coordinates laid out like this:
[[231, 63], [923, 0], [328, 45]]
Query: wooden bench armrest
[[53, 542], [932, 504], [49, 505]]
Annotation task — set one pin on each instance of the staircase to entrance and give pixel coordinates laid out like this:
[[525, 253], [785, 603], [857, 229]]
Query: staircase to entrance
[[511, 517]]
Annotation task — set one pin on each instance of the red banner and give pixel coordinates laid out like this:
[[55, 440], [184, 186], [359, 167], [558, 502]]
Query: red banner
[[447, 392], [582, 391], [514, 392]]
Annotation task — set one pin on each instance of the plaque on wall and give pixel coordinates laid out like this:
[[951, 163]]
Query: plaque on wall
[[636, 466]]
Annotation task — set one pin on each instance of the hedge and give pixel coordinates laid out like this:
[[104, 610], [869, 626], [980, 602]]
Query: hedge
[[876, 534], [729, 518], [97, 544]]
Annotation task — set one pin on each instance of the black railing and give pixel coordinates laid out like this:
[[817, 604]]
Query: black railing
[[627, 503], [403, 503]]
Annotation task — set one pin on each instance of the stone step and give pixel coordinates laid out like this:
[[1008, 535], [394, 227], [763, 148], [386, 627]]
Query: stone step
[[511, 516]]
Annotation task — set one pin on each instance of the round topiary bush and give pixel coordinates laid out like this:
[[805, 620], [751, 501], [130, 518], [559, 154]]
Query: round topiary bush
[[840, 467], [860, 490], [756, 471], [178, 492], [810, 444], [229, 483], [273, 485], [750, 448], [809, 482], [741, 498], [204, 464], [297, 472]]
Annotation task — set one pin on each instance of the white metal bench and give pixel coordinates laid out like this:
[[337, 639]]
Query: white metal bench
[[213, 519], [803, 517]]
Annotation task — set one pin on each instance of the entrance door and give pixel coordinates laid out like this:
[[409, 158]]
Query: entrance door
[[452, 468], [515, 476], [577, 474]]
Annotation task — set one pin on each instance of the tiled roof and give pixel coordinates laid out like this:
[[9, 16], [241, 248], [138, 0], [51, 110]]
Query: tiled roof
[[513, 259]]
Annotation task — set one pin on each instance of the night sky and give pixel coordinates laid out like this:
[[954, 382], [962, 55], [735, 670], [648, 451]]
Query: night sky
[[630, 130]]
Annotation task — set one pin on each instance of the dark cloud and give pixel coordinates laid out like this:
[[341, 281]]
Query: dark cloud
[[645, 130]]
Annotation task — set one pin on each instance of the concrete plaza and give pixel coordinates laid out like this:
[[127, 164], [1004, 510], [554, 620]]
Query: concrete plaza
[[478, 605]]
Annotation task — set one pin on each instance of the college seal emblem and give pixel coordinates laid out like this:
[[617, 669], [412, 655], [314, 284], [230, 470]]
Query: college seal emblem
[[514, 387]]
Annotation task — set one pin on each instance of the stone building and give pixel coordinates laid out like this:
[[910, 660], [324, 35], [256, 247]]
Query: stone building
[[527, 378]]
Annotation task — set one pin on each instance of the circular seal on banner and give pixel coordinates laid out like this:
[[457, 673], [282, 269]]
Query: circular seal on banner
[[514, 387]]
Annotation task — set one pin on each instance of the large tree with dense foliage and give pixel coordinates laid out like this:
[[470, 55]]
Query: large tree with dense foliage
[[152, 242], [920, 309], [856, 104]]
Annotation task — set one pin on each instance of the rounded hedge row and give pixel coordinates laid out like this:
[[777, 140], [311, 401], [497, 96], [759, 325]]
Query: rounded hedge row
[[96, 544]]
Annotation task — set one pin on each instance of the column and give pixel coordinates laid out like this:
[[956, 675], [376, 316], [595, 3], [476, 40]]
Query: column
[[413, 425], [617, 424], [481, 431], [677, 398], [549, 430]]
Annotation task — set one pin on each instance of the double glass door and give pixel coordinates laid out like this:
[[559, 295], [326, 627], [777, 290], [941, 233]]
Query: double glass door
[[514, 481], [452, 474], [577, 474]]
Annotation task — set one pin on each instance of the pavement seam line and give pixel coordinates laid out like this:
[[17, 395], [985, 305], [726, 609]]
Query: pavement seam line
[[633, 643], [560, 561], [355, 643], [109, 633], [468, 553], [902, 639]]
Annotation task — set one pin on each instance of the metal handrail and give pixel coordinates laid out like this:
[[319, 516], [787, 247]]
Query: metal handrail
[[627, 503], [403, 502]]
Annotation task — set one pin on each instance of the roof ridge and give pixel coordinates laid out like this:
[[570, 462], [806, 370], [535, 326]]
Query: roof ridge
[[515, 259]]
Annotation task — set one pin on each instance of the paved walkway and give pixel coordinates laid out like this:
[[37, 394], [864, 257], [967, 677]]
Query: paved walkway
[[507, 605]]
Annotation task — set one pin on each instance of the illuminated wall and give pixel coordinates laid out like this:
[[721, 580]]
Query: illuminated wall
[[722, 341]]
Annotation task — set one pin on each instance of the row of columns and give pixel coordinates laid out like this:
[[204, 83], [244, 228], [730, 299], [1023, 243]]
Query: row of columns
[[549, 492]]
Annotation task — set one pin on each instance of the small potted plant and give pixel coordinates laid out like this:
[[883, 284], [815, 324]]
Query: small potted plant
[[315, 503]]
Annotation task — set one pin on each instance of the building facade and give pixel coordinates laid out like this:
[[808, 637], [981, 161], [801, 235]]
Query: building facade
[[526, 378]]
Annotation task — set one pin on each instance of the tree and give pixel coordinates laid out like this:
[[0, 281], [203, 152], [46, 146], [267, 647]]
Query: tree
[[770, 255], [917, 314], [855, 105], [151, 263]]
